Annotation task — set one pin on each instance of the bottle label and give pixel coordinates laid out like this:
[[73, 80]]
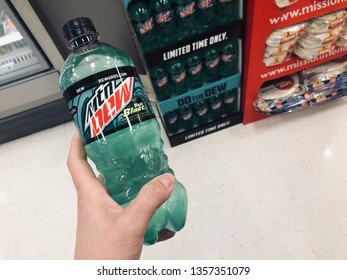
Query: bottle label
[[193, 70], [187, 116], [227, 57], [164, 17], [205, 4], [216, 106], [184, 11], [202, 112], [178, 78], [160, 82], [172, 119], [107, 102], [229, 100], [145, 26], [211, 63]]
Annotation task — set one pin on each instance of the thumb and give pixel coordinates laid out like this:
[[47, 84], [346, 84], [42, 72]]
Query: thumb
[[150, 198]]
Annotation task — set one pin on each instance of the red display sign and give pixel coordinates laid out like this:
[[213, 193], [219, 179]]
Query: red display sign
[[271, 26]]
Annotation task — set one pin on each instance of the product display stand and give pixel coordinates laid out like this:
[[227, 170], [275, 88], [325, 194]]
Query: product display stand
[[263, 18], [228, 85]]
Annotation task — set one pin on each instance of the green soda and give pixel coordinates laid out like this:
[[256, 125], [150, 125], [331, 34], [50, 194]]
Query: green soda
[[228, 59], [226, 11], [207, 13], [194, 71], [215, 107], [186, 117], [230, 101], [160, 83], [200, 109], [171, 121], [210, 65], [116, 123], [143, 23], [178, 76], [165, 20], [187, 20]]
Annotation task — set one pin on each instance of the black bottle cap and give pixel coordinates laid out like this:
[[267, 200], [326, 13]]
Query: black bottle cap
[[78, 27]]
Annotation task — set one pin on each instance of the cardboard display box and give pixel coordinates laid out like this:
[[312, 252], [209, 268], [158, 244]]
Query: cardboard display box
[[180, 50]]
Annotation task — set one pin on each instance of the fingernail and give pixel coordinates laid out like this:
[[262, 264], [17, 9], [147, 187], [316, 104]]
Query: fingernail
[[166, 179]]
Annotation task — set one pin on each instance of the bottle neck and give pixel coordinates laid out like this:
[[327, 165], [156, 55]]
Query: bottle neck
[[84, 43]]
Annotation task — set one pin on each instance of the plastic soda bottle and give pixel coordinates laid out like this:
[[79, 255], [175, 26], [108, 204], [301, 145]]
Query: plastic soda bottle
[[171, 121], [185, 11], [194, 71], [160, 83], [215, 107], [200, 109], [207, 13], [226, 11], [210, 64], [187, 117], [165, 20], [143, 22], [177, 75], [228, 59], [116, 123], [230, 104]]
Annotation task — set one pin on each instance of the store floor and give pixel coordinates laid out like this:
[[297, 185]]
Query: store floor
[[275, 189]]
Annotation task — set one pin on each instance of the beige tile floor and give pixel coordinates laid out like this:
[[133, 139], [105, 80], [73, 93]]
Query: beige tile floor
[[275, 189]]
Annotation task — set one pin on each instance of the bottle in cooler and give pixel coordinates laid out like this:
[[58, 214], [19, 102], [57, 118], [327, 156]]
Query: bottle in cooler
[[116, 123]]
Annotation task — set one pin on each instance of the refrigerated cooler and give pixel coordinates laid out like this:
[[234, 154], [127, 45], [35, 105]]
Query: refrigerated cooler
[[30, 99]]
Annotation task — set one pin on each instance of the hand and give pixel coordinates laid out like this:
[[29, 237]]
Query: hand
[[104, 229]]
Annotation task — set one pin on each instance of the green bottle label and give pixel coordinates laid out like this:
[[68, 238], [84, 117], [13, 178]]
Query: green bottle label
[[107, 102]]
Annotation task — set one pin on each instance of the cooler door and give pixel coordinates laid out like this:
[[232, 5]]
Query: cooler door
[[30, 99]]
